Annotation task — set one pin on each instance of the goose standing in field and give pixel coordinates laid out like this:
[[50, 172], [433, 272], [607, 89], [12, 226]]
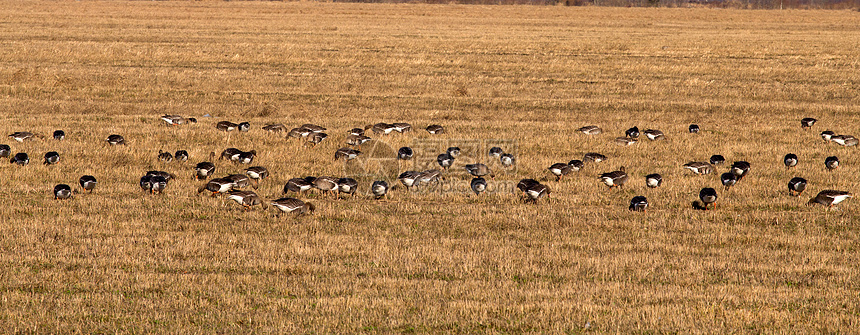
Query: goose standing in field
[[247, 199], [829, 198], [728, 180], [299, 185], [479, 185], [346, 153], [445, 160], [435, 129], [495, 152], [845, 140], [205, 169], [316, 138], [638, 204], [181, 156], [59, 135], [356, 140], [244, 126], [408, 178], [615, 178], [62, 191], [479, 170], [116, 140], [166, 175], [429, 176], [796, 186], [21, 136], [326, 184], [632, 132], [790, 161], [347, 186], [590, 130], [507, 160], [20, 158], [653, 180], [576, 164], [694, 129], [275, 127], [654, 134], [717, 159], [740, 169], [145, 183], [593, 157], [700, 168], [827, 135], [217, 186], [831, 163], [293, 205], [405, 153], [226, 126], [165, 156], [625, 141], [314, 128], [88, 183], [52, 157], [298, 133], [807, 122], [560, 170], [257, 173], [379, 188], [5, 150], [402, 127], [708, 196]]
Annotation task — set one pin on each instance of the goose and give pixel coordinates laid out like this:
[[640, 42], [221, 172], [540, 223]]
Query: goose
[[845, 140], [699, 167], [217, 185], [653, 180], [708, 196], [5, 150], [356, 131], [356, 140], [790, 161], [247, 199], [62, 191], [728, 179], [145, 183], [453, 151], [293, 205], [405, 153], [638, 204], [275, 127], [244, 126], [717, 159], [59, 135], [654, 134], [694, 129], [827, 135], [524, 184], [479, 185], [408, 178], [831, 163], [445, 160], [20, 136], [246, 157], [537, 191], [495, 152], [479, 170], [205, 169], [615, 178], [346, 153], [560, 170], [226, 126], [632, 132], [381, 128], [298, 133], [181, 155], [379, 188], [165, 156], [257, 173], [166, 175], [590, 130], [174, 120], [299, 184], [435, 129], [402, 127], [316, 138], [428, 176], [740, 169], [231, 154], [347, 186], [625, 141], [157, 183], [326, 184], [239, 180], [20, 158], [507, 159], [576, 164], [116, 140], [807, 123], [88, 183], [312, 128], [593, 157], [52, 157], [796, 186], [829, 198]]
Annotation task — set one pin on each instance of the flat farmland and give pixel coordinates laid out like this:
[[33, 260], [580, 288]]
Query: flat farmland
[[440, 260]]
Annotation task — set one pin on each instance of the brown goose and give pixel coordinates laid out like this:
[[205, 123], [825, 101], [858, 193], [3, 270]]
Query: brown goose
[[217, 186], [381, 128], [21, 136], [408, 178], [275, 127], [829, 198], [293, 205], [116, 140], [435, 129], [591, 130], [226, 126], [299, 184], [790, 161], [428, 176], [347, 186], [593, 157], [356, 131], [845, 140], [479, 185], [625, 141], [560, 170], [507, 159], [638, 204], [239, 180], [257, 173], [615, 178], [537, 191], [326, 184], [357, 140], [312, 128], [699, 167], [176, 120], [402, 127], [831, 163], [247, 199], [52, 157], [5, 150], [479, 170], [316, 138], [346, 153]]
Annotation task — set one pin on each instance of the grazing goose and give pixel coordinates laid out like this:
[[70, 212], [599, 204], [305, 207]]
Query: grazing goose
[[175, 120], [845, 140], [247, 199], [381, 128], [740, 169], [226, 126], [299, 185], [405, 153], [428, 176], [593, 157], [217, 185], [796, 186], [537, 191], [615, 178], [829, 198], [356, 140], [632, 132], [181, 155], [356, 131], [638, 204], [507, 159], [205, 169], [293, 205], [346, 153], [20, 136], [453, 151], [244, 126], [88, 183], [591, 130], [717, 159], [239, 180], [560, 170], [326, 184], [700, 168], [708, 196], [479, 185], [653, 180], [831, 163], [728, 179], [525, 184], [231, 154], [435, 129], [59, 135], [379, 188], [298, 133], [654, 134], [275, 127], [312, 128], [20, 158], [827, 135], [316, 138], [694, 129], [157, 184], [408, 178], [246, 157], [347, 186], [402, 127], [625, 141], [479, 170], [116, 140], [495, 152], [576, 164], [62, 191], [145, 183], [166, 175], [257, 173], [165, 156], [52, 157], [807, 123], [5, 150], [790, 161], [445, 160]]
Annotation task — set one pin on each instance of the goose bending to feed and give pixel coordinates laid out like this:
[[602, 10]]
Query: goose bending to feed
[[5, 150], [537, 191], [445, 160], [845, 140], [507, 160], [708, 196], [294, 206], [591, 130], [244, 126], [275, 127], [740, 169], [479, 170], [728, 179], [21, 136], [560, 170], [593, 157], [157, 183], [59, 135], [165, 156], [453, 151], [479, 185], [299, 185], [145, 183], [831, 163], [638, 204], [347, 186], [379, 188], [247, 199], [632, 132], [827, 135], [653, 180], [790, 160], [717, 159], [346, 153], [829, 198], [654, 134], [435, 129], [217, 186], [88, 183], [495, 152], [226, 126], [176, 120], [231, 154], [408, 178], [429, 176], [402, 127], [356, 131], [625, 141], [116, 140], [694, 129], [314, 128], [239, 180], [576, 164], [246, 157], [52, 157], [357, 140], [700, 168], [796, 186], [181, 155], [166, 175], [20, 158], [316, 138], [615, 178], [205, 169], [326, 184], [62, 191], [807, 123], [381, 128], [257, 173], [405, 153]]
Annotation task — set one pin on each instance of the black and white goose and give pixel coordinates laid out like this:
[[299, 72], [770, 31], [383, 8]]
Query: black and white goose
[[246, 157], [700, 168], [507, 159], [831, 163], [379, 188], [116, 140], [445, 160], [157, 183], [239, 180], [829, 198], [181, 155], [59, 135], [537, 191], [790, 161], [165, 156], [347, 186], [479, 185], [88, 183], [226, 126], [576, 164], [293, 206], [654, 134], [560, 170], [247, 199], [827, 135], [20, 158], [5, 151], [740, 169], [299, 185], [495, 152], [653, 180], [845, 140], [346, 153], [405, 153], [807, 123], [590, 130], [205, 169], [632, 132], [694, 129], [21, 136], [435, 129], [244, 126], [796, 186], [717, 159], [381, 128], [615, 178], [638, 204], [728, 180], [52, 157], [62, 191], [217, 186], [408, 178], [257, 173], [708, 196]]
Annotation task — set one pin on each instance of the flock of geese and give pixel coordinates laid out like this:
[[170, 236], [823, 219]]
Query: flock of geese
[[234, 186]]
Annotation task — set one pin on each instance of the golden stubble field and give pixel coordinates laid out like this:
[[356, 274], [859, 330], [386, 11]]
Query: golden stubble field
[[122, 261]]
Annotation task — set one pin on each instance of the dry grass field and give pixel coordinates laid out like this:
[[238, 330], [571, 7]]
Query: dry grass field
[[123, 261]]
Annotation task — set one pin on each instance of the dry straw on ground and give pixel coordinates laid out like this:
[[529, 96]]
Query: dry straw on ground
[[119, 260]]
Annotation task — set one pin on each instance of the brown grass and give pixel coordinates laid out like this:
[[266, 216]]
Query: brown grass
[[119, 260]]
